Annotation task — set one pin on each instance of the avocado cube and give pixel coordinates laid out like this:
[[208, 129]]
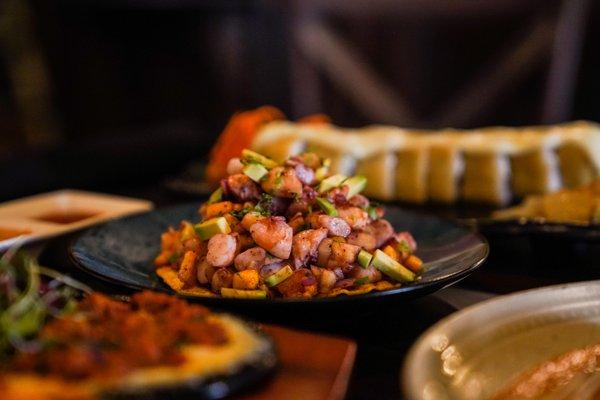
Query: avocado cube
[[327, 207], [356, 184], [250, 156], [279, 276], [331, 182], [391, 267], [255, 171], [216, 196], [211, 227], [364, 258]]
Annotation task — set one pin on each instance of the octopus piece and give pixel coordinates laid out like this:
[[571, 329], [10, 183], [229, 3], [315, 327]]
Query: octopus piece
[[305, 244], [358, 200], [273, 235], [303, 203], [253, 258], [241, 187], [220, 279], [356, 217], [305, 174], [335, 226], [282, 182], [205, 272], [338, 195], [362, 239], [301, 283], [221, 250], [381, 230]]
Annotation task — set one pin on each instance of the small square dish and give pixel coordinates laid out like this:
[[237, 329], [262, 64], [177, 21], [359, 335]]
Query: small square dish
[[51, 214]]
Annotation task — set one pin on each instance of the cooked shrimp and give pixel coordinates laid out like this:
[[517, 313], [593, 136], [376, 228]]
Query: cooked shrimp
[[241, 187], [273, 235], [221, 250], [305, 244], [371, 273], [362, 239], [335, 226], [282, 182], [221, 278], [253, 258], [355, 217], [234, 166]]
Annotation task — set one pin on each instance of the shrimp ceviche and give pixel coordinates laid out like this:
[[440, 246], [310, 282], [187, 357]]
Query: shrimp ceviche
[[287, 230]]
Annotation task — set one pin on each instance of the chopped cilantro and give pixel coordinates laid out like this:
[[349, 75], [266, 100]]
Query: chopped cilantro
[[173, 258], [239, 214], [361, 281]]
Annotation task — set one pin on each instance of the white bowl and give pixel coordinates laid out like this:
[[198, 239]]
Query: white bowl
[[475, 352]]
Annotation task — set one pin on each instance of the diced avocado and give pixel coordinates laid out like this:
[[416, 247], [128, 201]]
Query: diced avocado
[[321, 173], [279, 276], [211, 227], [216, 196], [356, 184], [187, 232], [391, 267], [250, 156], [243, 294], [255, 171], [331, 182], [364, 258], [327, 207]]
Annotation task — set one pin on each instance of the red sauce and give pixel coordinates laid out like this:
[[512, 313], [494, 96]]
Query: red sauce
[[66, 216], [7, 233], [106, 338]]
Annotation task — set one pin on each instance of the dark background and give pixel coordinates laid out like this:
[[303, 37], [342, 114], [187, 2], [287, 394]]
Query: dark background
[[107, 94]]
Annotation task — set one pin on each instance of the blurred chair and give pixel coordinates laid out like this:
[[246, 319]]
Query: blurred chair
[[554, 37]]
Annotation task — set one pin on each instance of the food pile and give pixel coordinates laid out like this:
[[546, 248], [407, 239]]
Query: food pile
[[286, 230], [58, 343]]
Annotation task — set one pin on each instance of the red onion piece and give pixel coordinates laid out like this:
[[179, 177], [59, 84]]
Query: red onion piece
[[270, 269], [344, 283], [309, 280]]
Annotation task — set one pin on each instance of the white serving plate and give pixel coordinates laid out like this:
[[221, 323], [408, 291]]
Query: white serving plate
[[28, 214], [472, 354]]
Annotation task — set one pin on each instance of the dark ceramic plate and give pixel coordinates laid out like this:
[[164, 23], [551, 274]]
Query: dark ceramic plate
[[122, 251]]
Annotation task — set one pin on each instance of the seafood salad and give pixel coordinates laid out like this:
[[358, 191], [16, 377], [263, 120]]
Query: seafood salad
[[288, 230]]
